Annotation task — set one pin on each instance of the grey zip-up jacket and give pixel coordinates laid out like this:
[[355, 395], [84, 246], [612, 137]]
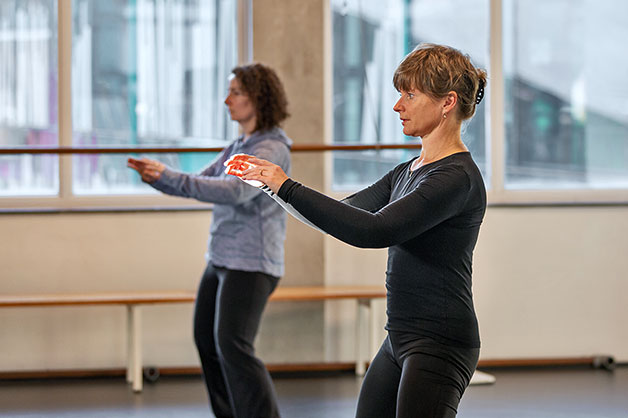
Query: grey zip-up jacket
[[248, 228]]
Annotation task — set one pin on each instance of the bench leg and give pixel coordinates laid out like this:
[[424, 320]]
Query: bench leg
[[362, 336], [134, 347], [129, 344]]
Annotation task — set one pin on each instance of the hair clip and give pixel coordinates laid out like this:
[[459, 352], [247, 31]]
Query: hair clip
[[480, 94]]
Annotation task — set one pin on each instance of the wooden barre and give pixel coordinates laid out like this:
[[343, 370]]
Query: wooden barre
[[281, 294], [130, 298], [298, 147]]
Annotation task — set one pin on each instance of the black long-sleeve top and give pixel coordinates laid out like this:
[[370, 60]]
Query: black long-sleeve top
[[430, 220]]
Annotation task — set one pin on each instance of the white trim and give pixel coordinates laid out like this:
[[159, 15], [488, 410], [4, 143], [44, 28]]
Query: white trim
[[560, 197]]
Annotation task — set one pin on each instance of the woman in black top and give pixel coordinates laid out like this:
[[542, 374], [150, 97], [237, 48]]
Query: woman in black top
[[428, 211]]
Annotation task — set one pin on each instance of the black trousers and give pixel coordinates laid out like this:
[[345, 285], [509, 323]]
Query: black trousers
[[228, 311], [415, 377]]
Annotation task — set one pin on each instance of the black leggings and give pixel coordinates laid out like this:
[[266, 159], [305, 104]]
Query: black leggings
[[228, 311], [415, 377]]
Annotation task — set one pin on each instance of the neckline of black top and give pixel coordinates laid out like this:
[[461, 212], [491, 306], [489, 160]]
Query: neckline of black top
[[433, 162]]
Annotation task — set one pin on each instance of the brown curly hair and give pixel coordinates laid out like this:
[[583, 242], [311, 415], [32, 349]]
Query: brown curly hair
[[263, 87], [436, 70]]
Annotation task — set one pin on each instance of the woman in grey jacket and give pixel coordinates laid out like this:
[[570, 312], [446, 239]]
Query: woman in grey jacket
[[246, 246]]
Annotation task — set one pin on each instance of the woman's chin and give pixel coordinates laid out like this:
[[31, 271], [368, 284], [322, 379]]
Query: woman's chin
[[408, 132]]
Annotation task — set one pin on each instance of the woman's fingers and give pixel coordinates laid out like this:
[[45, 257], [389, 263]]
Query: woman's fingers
[[134, 164], [243, 165], [234, 170], [149, 170], [252, 169], [245, 158], [237, 167], [237, 157], [246, 161], [259, 162]]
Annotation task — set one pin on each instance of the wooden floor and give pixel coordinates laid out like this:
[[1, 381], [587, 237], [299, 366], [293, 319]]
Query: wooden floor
[[536, 393]]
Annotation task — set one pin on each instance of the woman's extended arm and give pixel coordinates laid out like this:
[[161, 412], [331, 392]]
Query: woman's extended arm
[[439, 196], [209, 187], [289, 208]]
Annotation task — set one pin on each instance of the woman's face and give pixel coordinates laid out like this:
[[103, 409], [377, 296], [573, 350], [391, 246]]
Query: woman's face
[[419, 113], [240, 106]]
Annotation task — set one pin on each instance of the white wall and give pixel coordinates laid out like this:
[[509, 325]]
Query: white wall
[[551, 282], [548, 282], [112, 252], [63, 253]]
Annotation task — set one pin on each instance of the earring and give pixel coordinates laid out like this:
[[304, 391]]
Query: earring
[[444, 115]]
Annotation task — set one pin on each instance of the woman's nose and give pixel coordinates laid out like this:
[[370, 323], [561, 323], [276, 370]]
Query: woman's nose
[[397, 107]]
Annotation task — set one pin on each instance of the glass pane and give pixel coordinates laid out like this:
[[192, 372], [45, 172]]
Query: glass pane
[[369, 40], [355, 169], [566, 93], [148, 73], [28, 96]]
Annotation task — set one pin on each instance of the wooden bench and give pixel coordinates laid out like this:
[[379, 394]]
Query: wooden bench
[[135, 300]]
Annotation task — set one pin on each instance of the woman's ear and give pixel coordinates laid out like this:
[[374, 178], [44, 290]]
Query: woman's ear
[[450, 101]]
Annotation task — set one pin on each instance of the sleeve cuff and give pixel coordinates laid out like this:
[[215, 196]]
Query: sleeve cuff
[[286, 190]]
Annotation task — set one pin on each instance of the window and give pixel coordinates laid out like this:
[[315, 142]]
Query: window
[[28, 95], [566, 94], [369, 40], [148, 73], [559, 123], [143, 73]]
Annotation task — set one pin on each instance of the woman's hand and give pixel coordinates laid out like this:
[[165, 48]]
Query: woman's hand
[[149, 170], [248, 167]]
